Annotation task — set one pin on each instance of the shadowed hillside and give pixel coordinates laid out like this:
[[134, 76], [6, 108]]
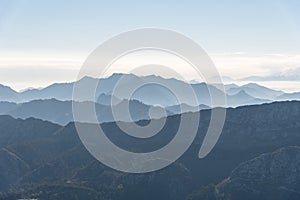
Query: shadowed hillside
[[51, 161]]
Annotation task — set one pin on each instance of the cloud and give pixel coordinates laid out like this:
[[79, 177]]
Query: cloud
[[21, 71], [239, 66], [287, 75]]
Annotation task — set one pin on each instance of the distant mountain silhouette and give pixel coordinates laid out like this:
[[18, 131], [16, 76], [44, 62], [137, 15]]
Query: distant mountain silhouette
[[289, 96], [5, 107], [107, 100], [255, 90], [8, 94], [60, 112], [151, 94], [182, 108], [243, 98]]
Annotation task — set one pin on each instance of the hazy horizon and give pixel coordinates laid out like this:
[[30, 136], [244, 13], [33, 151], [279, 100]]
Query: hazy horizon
[[285, 86], [38, 51]]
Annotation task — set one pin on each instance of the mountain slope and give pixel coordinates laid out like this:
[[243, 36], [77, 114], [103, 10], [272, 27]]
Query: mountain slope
[[156, 92], [8, 94], [60, 112], [289, 96], [272, 176], [182, 108], [243, 98], [255, 90], [17, 130], [60, 160]]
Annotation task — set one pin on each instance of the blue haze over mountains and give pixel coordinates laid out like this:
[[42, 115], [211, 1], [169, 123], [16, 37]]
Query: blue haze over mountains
[[257, 156], [54, 103], [63, 91]]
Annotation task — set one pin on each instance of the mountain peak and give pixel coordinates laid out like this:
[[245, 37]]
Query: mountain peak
[[7, 88], [252, 85], [243, 93]]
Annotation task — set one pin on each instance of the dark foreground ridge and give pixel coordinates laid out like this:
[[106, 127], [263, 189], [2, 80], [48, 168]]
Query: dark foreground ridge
[[42, 160]]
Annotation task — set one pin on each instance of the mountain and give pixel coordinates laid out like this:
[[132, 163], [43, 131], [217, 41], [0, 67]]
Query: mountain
[[230, 86], [243, 98], [64, 91], [107, 100], [289, 96], [12, 166], [182, 108], [255, 90], [272, 176], [202, 91], [60, 112], [8, 94], [60, 91], [158, 91], [17, 130], [5, 107], [52, 162]]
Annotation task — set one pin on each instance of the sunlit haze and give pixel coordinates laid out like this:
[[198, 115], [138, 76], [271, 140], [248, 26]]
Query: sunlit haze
[[262, 48]]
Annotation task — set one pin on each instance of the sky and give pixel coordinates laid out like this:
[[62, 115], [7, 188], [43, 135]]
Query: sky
[[42, 42]]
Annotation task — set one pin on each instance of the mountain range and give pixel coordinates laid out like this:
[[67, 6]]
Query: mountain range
[[43, 160], [236, 95], [54, 103], [248, 181], [270, 176], [256, 157], [60, 112]]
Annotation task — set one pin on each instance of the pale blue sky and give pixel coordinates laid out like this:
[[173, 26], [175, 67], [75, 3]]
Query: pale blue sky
[[67, 31], [221, 26]]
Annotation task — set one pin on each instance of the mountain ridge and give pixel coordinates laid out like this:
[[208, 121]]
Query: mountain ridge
[[63, 91], [60, 160]]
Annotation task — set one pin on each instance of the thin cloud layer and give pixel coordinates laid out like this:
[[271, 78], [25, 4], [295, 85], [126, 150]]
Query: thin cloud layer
[[20, 72]]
